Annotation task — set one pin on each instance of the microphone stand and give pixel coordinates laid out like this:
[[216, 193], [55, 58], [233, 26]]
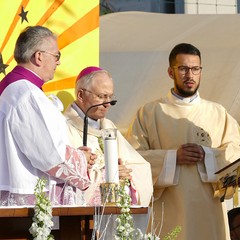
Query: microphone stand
[[85, 121]]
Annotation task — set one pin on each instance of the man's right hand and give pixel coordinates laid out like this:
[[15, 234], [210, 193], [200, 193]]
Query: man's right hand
[[190, 153]]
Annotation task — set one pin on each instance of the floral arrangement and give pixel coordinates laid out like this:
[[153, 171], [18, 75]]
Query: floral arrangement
[[42, 219], [125, 228]]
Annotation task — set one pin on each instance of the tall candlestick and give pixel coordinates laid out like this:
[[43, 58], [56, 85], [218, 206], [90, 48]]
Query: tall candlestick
[[111, 155]]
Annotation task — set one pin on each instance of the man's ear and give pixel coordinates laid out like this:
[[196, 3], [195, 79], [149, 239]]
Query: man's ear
[[80, 95], [37, 58], [170, 72]]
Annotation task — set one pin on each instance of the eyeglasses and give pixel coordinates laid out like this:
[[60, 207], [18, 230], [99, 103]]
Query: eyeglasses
[[185, 69], [101, 96], [56, 55]]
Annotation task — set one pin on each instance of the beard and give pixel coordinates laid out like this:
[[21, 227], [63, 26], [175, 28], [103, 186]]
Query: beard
[[186, 92]]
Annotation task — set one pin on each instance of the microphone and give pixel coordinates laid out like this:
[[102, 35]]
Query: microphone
[[85, 123]]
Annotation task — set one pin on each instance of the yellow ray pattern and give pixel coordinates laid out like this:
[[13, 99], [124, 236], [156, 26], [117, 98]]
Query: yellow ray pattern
[[76, 22]]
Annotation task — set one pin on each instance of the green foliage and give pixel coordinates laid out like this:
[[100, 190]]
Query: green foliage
[[125, 227], [173, 235]]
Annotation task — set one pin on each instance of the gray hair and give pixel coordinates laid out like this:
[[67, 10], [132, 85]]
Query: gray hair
[[29, 41], [87, 81]]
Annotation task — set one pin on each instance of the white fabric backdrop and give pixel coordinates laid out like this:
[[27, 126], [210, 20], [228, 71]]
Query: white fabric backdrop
[[134, 48]]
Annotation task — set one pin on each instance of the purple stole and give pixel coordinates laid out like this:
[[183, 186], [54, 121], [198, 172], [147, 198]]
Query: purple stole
[[19, 73]]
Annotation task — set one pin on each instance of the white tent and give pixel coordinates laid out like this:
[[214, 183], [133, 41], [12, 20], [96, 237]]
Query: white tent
[[134, 48]]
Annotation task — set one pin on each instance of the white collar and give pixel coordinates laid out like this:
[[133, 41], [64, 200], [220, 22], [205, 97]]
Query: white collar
[[186, 100]]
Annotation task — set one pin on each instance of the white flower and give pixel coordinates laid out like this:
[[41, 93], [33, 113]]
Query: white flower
[[125, 229], [42, 219]]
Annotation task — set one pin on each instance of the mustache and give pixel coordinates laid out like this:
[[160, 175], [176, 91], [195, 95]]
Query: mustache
[[189, 81]]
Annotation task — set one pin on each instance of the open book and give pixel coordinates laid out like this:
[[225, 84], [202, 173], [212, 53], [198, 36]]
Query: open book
[[229, 179], [228, 169]]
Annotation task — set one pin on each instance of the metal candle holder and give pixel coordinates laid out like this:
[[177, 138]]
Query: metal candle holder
[[109, 193]]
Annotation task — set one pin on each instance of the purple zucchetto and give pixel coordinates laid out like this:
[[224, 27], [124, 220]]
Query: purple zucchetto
[[87, 71]]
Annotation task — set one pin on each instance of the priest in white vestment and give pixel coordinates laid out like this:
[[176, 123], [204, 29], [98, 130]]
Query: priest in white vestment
[[186, 139], [93, 86]]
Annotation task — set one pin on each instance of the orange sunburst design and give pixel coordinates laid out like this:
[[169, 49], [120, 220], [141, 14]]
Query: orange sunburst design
[[50, 11], [85, 25], [44, 18], [12, 27], [75, 21]]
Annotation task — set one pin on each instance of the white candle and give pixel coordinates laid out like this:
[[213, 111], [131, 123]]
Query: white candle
[[111, 156]]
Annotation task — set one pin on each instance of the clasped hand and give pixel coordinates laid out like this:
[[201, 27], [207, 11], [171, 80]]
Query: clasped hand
[[91, 157], [190, 153], [124, 172]]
